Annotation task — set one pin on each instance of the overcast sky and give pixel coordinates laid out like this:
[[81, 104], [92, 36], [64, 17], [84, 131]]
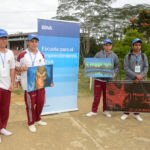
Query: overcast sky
[[22, 15]]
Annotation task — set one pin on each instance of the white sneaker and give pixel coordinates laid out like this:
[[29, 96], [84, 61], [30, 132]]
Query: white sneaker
[[90, 114], [42, 123], [138, 117], [124, 117], [5, 132], [107, 114], [32, 128]]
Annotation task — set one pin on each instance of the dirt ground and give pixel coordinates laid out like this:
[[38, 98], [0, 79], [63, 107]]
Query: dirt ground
[[75, 131]]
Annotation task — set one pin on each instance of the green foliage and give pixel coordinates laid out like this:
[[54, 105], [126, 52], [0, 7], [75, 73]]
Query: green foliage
[[99, 21], [83, 84], [131, 34], [146, 48], [142, 23], [94, 47], [121, 48], [70, 18], [90, 15]]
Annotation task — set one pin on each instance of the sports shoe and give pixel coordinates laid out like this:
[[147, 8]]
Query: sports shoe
[[107, 114], [32, 128], [124, 117], [5, 132], [90, 114], [138, 117], [42, 123]]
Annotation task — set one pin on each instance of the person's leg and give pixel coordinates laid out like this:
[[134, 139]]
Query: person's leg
[[97, 95], [0, 108], [5, 104], [125, 115], [103, 85], [137, 116], [30, 98], [4, 111], [96, 101], [106, 113], [40, 99]]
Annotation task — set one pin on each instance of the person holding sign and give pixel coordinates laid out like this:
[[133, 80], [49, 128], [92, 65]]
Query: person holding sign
[[7, 77], [34, 100], [100, 83], [136, 68]]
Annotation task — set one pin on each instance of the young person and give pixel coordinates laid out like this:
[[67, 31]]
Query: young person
[[34, 100], [136, 68], [7, 75], [100, 85]]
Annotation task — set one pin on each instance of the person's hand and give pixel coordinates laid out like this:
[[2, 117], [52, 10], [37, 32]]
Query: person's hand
[[136, 81], [52, 84], [24, 68], [11, 87], [139, 77], [114, 75]]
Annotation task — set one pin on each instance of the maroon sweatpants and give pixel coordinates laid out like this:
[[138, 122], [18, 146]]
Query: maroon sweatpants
[[34, 105], [5, 96], [99, 87]]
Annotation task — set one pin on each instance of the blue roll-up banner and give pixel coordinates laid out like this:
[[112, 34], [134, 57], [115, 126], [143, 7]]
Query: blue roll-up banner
[[59, 41]]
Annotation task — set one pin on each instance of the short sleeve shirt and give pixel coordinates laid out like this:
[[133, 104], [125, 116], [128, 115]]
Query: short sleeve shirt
[[7, 62], [29, 59]]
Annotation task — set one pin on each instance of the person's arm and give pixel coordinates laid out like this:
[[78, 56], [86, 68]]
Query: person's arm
[[143, 74], [12, 77], [127, 69], [116, 66], [97, 55], [12, 73], [20, 67], [146, 66]]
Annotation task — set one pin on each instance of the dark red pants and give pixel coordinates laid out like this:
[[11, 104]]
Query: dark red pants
[[34, 105], [5, 96], [99, 87]]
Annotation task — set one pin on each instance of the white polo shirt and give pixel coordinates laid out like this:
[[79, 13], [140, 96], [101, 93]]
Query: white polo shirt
[[7, 62], [29, 59]]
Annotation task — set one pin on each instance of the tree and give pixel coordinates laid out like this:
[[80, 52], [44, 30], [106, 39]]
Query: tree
[[99, 21], [143, 23], [90, 14], [121, 48]]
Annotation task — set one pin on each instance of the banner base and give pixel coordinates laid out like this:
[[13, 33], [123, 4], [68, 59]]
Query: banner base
[[57, 112]]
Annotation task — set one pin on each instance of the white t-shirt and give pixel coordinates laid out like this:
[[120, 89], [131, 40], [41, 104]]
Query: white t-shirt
[[29, 59], [7, 62]]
